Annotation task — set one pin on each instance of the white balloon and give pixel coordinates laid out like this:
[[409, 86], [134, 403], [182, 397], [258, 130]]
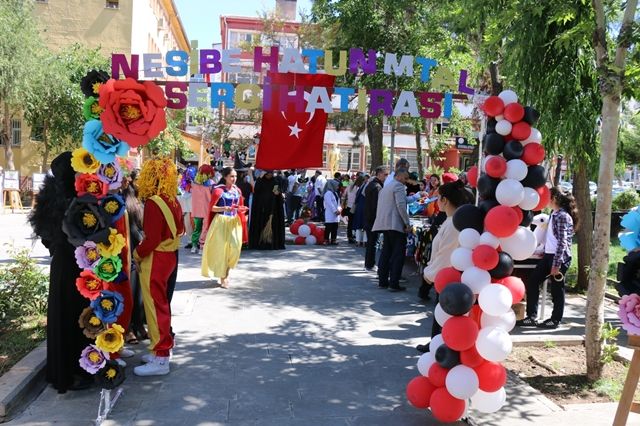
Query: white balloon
[[530, 200], [425, 362], [534, 137], [476, 279], [503, 127], [462, 382], [508, 96], [488, 402], [521, 244], [487, 238], [510, 192], [304, 230], [517, 170], [494, 344], [440, 315], [505, 322], [469, 238], [461, 259], [495, 299], [436, 342], [310, 240]]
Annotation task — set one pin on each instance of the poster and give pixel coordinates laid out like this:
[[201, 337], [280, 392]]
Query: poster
[[38, 181], [12, 180]]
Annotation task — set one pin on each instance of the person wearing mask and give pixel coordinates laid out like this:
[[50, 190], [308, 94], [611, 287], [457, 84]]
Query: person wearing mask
[[371, 191], [556, 261], [331, 212]]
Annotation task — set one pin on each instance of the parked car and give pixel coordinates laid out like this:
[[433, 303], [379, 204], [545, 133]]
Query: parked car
[[567, 186]]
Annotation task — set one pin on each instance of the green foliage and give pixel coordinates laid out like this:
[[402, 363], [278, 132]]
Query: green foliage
[[609, 336], [170, 139], [630, 136], [23, 287], [625, 200], [550, 344]]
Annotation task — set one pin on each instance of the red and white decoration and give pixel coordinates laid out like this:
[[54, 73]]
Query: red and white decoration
[[307, 233]]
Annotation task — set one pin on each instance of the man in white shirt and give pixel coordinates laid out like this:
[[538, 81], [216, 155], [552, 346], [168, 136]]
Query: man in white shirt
[[294, 201], [321, 181]]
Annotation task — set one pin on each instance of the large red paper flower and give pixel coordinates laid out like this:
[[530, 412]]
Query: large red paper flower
[[133, 112], [90, 184]]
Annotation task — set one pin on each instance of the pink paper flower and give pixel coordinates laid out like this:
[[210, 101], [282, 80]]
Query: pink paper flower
[[629, 313]]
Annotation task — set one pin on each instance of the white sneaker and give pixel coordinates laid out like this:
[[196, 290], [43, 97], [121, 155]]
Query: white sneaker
[[121, 362], [147, 358], [159, 366], [126, 353], [194, 250], [199, 251]]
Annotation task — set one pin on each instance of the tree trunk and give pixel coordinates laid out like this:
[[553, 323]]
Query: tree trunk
[[419, 152], [47, 149], [496, 82], [585, 232], [428, 132], [374, 132], [5, 138]]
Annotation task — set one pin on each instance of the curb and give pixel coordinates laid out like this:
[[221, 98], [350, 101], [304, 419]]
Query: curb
[[23, 382]]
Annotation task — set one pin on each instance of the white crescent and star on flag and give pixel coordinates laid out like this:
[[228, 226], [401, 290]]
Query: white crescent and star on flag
[[294, 129]]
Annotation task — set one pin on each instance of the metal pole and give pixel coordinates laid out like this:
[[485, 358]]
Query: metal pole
[[393, 142]]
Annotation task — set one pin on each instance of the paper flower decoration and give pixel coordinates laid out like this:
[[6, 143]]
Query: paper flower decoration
[[90, 324], [109, 268], [631, 221], [113, 247], [87, 256], [133, 112], [90, 184], [114, 206], [110, 376], [85, 221], [91, 83], [89, 285], [108, 307], [126, 165], [91, 109], [629, 313], [103, 146], [92, 359], [111, 340], [111, 174], [83, 161]]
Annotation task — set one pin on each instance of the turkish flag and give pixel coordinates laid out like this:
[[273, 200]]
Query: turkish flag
[[291, 138]]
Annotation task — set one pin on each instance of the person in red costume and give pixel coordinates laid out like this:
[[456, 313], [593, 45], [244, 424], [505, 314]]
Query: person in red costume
[[156, 256]]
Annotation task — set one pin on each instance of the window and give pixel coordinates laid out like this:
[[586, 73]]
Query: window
[[37, 133], [411, 155], [239, 39], [111, 4], [350, 159], [16, 132]]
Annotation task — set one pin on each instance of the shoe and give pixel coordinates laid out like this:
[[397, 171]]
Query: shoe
[[403, 279], [126, 353], [549, 323], [352, 241], [423, 349], [394, 289], [147, 358], [372, 269], [159, 366], [121, 362], [527, 322], [193, 250], [188, 246], [199, 251], [383, 286]]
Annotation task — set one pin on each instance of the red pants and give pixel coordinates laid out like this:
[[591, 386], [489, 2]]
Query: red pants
[[124, 287], [155, 271]]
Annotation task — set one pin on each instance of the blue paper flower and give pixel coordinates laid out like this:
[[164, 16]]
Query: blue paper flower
[[103, 146], [114, 206], [631, 222], [108, 306]]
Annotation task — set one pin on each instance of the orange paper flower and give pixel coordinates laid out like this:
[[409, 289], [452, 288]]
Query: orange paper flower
[[90, 184], [133, 112], [89, 285]]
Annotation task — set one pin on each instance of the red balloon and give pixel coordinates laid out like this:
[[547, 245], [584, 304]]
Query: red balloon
[[475, 313], [446, 276], [472, 176], [515, 286], [519, 212], [502, 221], [419, 391], [485, 257], [514, 112], [496, 167], [438, 374], [294, 227], [313, 227], [460, 333], [300, 241], [545, 197], [533, 154], [471, 358], [493, 106], [491, 375], [521, 130], [445, 407]]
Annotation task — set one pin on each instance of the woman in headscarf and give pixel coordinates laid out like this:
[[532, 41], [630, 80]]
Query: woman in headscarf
[[65, 339], [331, 212], [266, 230]]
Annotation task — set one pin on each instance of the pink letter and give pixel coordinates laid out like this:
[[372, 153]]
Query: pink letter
[[119, 61]]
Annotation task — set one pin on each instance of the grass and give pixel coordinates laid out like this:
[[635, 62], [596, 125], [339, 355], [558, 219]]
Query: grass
[[609, 387], [18, 337]]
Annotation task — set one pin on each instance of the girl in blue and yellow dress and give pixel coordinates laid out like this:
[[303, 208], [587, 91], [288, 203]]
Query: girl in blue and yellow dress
[[227, 229]]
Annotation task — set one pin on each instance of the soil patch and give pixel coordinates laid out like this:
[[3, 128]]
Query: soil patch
[[569, 384]]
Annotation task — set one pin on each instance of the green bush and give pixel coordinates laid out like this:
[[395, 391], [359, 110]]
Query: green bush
[[23, 287], [625, 200]]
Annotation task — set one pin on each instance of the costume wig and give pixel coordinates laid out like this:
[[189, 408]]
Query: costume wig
[[158, 177]]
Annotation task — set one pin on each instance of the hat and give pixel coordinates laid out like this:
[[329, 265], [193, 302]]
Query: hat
[[449, 177]]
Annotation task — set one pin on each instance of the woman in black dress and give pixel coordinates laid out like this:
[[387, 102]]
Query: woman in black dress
[[266, 227], [65, 339]]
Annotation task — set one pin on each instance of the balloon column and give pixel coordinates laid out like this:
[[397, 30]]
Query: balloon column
[[476, 293], [307, 233]]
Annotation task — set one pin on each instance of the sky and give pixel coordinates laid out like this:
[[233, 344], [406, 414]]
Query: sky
[[201, 18]]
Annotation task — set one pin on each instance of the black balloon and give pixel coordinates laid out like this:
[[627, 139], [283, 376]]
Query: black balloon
[[530, 115], [447, 357], [488, 204], [468, 216], [536, 177], [457, 299], [487, 186], [527, 218], [493, 143], [491, 125], [504, 268], [512, 150]]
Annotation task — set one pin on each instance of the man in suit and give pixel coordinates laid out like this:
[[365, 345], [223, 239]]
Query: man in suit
[[392, 220], [371, 204]]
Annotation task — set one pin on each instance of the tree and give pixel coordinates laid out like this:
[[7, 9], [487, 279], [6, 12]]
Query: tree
[[170, 141], [19, 41], [611, 66]]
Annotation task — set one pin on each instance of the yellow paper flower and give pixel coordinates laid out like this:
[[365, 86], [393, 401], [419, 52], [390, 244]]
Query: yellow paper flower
[[83, 161], [111, 340], [115, 246]]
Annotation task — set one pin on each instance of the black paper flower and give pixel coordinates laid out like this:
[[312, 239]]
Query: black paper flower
[[110, 376], [85, 221], [90, 83]]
